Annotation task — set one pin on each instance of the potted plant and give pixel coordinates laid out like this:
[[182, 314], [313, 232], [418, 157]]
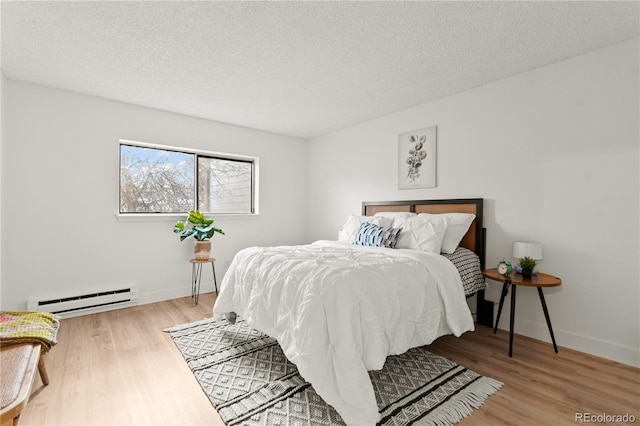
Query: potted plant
[[201, 230], [527, 264]]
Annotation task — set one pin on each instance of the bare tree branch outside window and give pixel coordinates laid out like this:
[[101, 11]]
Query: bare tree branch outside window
[[224, 186]]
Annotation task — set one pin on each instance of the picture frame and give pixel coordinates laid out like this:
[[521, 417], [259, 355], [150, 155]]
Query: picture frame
[[417, 158]]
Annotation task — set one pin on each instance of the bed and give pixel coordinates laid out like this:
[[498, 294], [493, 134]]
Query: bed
[[339, 308]]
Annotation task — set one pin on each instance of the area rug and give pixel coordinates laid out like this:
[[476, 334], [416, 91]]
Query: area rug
[[250, 382]]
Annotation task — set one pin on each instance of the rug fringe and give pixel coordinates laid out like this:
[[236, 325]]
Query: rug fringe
[[462, 404]]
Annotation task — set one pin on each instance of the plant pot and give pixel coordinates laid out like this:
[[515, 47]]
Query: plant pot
[[202, 250], [526, 274]]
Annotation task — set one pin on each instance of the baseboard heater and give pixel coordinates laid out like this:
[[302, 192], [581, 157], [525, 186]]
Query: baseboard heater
[[88, 303]]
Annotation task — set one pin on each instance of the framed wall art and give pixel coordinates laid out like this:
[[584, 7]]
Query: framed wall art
[[417, 159]]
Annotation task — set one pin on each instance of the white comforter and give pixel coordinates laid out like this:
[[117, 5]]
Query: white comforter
[[339, 310]]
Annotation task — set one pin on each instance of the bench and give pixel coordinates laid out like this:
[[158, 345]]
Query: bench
[[19, 363]]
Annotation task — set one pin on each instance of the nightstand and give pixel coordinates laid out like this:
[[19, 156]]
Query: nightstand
[[513, 280]]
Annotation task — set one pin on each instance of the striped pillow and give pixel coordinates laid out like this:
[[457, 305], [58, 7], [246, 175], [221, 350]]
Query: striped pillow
[[376, 236]]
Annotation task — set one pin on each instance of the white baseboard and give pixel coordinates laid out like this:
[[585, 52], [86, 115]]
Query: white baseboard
[[162, 295], [173, 293], [590, 345]]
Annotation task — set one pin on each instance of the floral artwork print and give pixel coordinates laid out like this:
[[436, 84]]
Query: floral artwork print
[[416, 155], [417, 159]]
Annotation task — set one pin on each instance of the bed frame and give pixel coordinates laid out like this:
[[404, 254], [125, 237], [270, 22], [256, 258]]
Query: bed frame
[[474, 239]]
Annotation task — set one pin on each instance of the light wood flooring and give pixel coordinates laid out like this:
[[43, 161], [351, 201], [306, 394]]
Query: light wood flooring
[[120, 368]]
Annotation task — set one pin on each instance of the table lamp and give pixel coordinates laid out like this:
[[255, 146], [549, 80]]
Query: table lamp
[[530, 249]]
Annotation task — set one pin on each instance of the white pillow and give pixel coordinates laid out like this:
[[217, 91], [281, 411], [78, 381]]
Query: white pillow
[[421, 233], [397, 218], [351, 226], [394, 215], [459, 224]]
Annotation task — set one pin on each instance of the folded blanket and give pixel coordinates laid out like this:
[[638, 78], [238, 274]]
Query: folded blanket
[[28, 327]]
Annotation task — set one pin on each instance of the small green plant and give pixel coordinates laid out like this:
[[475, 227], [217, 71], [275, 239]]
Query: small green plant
[[201, 229], [527, 264]]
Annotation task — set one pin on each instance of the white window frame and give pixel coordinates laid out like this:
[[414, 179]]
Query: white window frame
[[131, 216]]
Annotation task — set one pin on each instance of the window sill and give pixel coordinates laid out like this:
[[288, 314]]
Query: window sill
[[164, 217]]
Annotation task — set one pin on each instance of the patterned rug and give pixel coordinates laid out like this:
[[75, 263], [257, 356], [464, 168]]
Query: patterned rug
[[250, 382]]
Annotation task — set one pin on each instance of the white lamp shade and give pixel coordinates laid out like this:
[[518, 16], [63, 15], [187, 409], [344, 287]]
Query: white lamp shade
[[530, 249]]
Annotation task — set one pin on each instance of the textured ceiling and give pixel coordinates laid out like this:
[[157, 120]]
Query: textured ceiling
[[295, 68]]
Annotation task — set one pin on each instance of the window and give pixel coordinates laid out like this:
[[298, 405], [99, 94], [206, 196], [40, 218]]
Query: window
[[157, 179]]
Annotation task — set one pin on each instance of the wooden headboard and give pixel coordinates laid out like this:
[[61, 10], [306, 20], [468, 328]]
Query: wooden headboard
[[473, 239]]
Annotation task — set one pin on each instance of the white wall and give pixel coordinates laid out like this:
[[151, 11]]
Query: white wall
[[60, 196], [1, 131], [554, 153]]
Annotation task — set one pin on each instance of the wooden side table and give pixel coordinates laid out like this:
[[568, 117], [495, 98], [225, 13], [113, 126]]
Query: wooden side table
[[196, 275], [513, 280]]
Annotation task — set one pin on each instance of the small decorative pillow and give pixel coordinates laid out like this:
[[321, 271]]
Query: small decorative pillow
[[459, 224], [376, 236], [352, 225], [421, 233]]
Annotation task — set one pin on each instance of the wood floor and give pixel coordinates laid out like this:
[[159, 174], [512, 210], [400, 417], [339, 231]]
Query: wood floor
[[120, 368]]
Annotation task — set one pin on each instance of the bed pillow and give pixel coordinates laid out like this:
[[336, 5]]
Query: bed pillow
[[421, 233], [397, 218], [352, 225], [459, 224], [395, 215], [376, 236]]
